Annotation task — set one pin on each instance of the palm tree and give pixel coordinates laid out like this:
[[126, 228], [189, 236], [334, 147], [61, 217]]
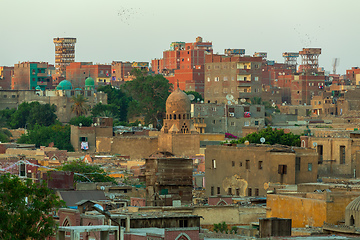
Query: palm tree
[[80, 106]]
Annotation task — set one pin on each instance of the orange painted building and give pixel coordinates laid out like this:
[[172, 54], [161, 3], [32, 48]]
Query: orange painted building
[[184, 62], [309, 209]]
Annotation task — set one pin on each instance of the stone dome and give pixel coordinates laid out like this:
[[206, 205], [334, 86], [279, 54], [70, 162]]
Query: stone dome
[[178, 102], [354, 205], [89, 81], [64, 85]]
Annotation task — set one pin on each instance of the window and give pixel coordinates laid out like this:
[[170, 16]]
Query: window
[[5, 96], [232, 123], [240, 164], [320, 153], [249, 191], [282, 169], [212, 191], [229, 191], [225, 78], [208, 79], [214, 121], [233, 163], [297, 163], [256, 66], [260, 164], [216, 79], [309, 167], [218, 190], [256, 123], [258, 109], [237, 192], [22, 170], [342, 154], [83, 139], [183, 223], [13, 96], [256, 192], [246, 109], [247, 164], [247, 123], [256, 79], [214, 164]]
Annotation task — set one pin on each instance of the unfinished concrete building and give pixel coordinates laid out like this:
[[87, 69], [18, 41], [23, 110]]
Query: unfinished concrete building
[[64, 54]]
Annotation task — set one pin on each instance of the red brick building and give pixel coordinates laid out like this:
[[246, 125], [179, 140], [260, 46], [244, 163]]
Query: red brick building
[[351, 74], [270, 72], [184, 62], [6, 74], [304, 87], [77, 73]]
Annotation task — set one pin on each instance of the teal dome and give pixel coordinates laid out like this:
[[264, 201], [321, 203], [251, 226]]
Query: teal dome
[[89, 82], [38, 88], [64, 85]]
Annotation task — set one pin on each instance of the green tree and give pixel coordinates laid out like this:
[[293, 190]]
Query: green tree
[[92, 172], [272, 136], [198, 98], [5, 116], [85, 121], [26, 209], [80, 106], [5, 135], [43, 136], [220, 227], [41, 114], [149, 94], [117, 101], [20, 116], [107, 110]]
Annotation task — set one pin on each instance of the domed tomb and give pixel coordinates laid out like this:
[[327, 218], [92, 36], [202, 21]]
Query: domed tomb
[[178, 107], [64, 85], [352, 213]]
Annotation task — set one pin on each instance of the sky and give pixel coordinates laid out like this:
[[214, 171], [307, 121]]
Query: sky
[[140, 30]]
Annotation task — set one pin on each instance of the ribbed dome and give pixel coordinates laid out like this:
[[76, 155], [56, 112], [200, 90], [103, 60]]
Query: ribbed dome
[[354, 205], [178, 102], [64, 85], [89, 82]]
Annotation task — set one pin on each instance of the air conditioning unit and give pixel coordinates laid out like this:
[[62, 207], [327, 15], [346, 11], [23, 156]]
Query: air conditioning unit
[[231, 114]]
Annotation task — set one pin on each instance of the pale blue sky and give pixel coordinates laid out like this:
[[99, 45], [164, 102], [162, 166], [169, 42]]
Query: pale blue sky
[[139, 30]]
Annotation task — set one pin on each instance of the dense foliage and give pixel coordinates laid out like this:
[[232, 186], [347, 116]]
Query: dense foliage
[[26, 209], [28, 115], [43, 136], [117, 100], [92, 172], [272, 136], [149, 94], [85, 121]]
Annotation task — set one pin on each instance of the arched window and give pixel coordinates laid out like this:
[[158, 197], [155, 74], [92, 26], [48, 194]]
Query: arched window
[[184, 116], [174, 116], [352, 220], [170, 116], [179, 116]]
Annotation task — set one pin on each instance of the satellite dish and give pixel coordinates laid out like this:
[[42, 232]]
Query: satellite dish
[[98, 207], [314, 144], [243, 100], [102, 188], [229, 102], [229, 97], [262, 140], [191, 97]]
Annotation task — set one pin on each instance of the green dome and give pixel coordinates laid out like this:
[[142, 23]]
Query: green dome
[[89, 82], [64, 85], [38, 88]]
